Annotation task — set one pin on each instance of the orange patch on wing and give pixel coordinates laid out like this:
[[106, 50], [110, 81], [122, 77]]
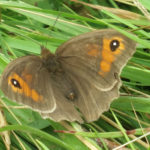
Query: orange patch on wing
[[93, 50], [25, 89], [28, 78], [105, 65], [109, 56], [35, 96]]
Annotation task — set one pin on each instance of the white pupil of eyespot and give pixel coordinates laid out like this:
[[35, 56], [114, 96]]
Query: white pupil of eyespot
[[15, 82], [114, 43]]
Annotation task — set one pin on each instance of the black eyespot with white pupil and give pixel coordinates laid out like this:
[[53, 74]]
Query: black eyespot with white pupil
[[15, 83], [114, 44]]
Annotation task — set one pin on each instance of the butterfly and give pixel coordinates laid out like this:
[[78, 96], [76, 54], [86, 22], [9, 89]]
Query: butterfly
[[77, 83]]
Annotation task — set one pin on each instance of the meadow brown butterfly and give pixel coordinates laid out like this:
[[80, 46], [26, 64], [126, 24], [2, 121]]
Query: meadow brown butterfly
[[79, 81]]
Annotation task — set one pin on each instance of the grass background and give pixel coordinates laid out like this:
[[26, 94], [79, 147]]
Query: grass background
[[25, 25]]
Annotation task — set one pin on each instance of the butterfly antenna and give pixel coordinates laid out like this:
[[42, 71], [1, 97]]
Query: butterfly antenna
[[56, 5]]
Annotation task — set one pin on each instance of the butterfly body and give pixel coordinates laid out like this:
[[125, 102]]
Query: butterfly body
[[80, 79], [58, 74]]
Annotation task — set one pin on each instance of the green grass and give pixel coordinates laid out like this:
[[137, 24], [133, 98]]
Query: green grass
[[24, 27]]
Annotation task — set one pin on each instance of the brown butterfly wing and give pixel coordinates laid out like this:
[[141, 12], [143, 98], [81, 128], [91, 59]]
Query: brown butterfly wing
[[32, 84], [96, 85], [91, 101], [90, 56], [65, 109]]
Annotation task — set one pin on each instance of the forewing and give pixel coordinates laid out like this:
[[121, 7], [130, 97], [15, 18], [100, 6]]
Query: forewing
[[90, 56], [34, 82]]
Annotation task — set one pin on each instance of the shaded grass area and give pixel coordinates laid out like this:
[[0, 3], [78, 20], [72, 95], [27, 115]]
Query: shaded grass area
[[27, 25]]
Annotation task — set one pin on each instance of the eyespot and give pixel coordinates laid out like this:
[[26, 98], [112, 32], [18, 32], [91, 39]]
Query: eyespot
[[15, 83], [114, 44], [71, 96]]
